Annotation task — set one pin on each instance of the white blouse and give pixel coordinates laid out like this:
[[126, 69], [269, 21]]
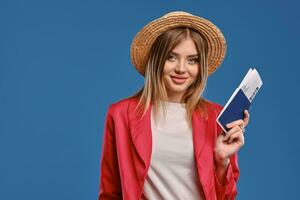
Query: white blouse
[[172, 174]]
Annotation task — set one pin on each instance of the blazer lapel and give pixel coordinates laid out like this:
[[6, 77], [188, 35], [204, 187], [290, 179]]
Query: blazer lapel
[[200, 129], [199, 132], [140, 130]]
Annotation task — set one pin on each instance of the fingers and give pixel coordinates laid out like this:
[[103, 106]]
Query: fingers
[[237, 136], [232, 131], [246, 117], [240, 122]]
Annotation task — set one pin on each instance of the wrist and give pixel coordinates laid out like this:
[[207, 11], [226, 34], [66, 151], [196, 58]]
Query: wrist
[[221, 162]]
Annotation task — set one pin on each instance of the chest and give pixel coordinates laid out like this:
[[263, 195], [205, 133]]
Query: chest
[[172, 138]]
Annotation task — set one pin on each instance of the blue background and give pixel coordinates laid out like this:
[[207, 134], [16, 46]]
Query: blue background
[[63, 62]]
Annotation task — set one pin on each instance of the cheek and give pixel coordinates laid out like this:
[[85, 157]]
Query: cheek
[[167, 68], [194, 72]]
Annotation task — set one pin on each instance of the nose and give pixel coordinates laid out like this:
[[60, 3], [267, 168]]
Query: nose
[[180, 67]]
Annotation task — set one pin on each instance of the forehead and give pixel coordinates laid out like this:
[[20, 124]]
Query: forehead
[[185, 47]]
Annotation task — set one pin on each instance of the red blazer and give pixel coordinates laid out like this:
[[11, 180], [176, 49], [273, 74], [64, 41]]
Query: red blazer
[[126, 153]]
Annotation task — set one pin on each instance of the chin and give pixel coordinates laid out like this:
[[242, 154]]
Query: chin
[[177, 88]]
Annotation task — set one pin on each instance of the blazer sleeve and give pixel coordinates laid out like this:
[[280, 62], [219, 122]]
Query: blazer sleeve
[[229, 190], [110, 183]]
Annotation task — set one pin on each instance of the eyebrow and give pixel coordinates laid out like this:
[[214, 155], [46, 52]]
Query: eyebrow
[[193, 55]]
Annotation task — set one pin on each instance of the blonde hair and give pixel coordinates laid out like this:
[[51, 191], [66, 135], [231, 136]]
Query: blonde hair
[[154, 89]]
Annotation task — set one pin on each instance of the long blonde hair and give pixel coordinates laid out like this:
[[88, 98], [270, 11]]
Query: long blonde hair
[[154, 89]]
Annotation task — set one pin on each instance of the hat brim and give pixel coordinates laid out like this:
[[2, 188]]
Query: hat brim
[[144, 39]]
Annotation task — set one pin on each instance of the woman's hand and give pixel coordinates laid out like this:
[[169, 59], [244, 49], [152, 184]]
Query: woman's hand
[[227, 145]]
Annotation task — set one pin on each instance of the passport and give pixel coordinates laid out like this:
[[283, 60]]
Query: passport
[[241, 99]]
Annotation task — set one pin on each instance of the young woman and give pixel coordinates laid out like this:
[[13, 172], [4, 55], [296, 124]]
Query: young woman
[[164, 143]]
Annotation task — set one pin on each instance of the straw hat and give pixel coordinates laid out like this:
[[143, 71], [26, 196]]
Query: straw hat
[[144, 39]]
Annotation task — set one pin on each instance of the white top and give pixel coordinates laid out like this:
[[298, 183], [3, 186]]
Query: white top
[[172, 174]]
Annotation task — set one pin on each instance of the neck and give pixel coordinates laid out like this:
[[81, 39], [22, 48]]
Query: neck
[[175, 98]]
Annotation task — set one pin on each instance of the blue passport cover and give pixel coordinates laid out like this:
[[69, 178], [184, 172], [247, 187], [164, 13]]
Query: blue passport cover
[[235, 109]]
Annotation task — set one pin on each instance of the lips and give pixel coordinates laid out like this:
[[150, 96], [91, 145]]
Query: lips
[[178, 79]]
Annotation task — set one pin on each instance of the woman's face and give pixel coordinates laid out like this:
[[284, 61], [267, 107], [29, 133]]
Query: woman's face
[[180, 69]]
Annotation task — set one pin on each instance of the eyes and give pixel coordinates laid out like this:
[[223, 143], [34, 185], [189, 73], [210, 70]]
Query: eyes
[[191, 61], [172, 58]]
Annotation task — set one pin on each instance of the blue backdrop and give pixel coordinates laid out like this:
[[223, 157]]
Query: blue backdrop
[[63, 62]]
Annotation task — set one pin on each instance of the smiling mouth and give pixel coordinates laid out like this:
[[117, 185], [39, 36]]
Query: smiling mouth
[[178, 80]]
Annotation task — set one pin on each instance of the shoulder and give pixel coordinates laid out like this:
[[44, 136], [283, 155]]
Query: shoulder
[[121, 106], [213, 108]]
